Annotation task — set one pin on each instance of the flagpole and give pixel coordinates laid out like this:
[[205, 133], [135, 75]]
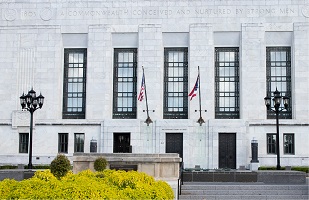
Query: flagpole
[[148, 120], [200, 120]]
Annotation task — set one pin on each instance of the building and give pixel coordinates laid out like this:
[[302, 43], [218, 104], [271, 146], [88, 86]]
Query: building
[[86, 58]]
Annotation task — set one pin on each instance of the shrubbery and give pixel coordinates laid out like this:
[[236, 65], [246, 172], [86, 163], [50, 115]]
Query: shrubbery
[[295, 168], [60, 166], [100, 164], [109, 184]]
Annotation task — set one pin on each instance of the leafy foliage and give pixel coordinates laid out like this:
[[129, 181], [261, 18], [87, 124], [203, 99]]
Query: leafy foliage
[[60, 166], [100, 164], [295, 168], [87, 185]]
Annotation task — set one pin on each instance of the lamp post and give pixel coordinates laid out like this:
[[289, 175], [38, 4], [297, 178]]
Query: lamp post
[[277, 102], [31, 103]]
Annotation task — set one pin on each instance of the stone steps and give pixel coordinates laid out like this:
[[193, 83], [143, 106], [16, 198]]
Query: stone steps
[[233, 191]]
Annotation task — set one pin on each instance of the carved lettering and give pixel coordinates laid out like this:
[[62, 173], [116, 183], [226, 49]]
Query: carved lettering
[[188, 11], [287, 11]]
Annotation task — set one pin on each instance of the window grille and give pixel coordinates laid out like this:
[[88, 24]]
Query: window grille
[[125, 65], [227, 83], [278, 75], [63, 141], [74, 87], [79, 139], [271, 143], [23, 142], [289, 143], [175, 103]]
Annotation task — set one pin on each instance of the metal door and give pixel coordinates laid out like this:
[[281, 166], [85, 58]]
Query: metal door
[[227, 150], [121, 143], [174, 143]]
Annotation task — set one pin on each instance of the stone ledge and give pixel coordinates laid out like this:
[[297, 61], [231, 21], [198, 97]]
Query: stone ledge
[[281, 177], [16, 174], [268, 177]]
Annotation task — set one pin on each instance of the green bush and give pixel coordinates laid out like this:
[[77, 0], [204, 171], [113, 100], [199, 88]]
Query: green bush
[[25, 167], [295, 168], [270, 168], [8, 167], [87, 185], [100, 164], [301, 168], [60, 166]]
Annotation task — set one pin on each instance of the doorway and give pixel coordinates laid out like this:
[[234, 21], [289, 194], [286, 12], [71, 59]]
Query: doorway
[[174, 143], [122, 143], [227, 150]]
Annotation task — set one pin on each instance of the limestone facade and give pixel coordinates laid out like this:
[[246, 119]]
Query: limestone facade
[[34, 35]]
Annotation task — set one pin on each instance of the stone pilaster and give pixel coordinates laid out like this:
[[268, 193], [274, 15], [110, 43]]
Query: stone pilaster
[[150, 55], [300, 80], [99, 73], [201, 54], [99, 81], [252, 72]]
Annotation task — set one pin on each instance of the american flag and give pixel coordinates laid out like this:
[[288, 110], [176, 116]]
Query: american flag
[[194, 90], [141, 93]]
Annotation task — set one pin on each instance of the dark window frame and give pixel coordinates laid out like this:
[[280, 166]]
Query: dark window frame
[[23, 142], [222, 79], [124, 97], [63, 142], [177, 112], [79, 144], [274, 81], [289, 146], [78, 111], [271, 143]]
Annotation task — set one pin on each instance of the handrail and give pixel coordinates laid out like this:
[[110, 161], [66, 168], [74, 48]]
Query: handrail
[[180, 179]]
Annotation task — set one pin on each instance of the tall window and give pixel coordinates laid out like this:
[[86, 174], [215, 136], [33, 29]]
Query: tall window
[[227, 83], [63, 141], [74, 87], [125, 64], [79, 139], [278, 75], [288, 143], [23, 142], [175, 83], [271, 143]]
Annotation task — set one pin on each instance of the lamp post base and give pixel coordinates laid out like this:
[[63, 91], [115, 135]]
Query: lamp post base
[[254, 166]]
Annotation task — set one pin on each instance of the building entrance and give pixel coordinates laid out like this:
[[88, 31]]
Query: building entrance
[[174, 143], [227, 150], [122, 143]]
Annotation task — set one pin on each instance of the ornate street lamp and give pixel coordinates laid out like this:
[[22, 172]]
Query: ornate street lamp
[[277, 102], [31, 103]]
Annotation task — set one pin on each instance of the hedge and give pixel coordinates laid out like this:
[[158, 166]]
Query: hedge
[[295, 168], [109, 184]]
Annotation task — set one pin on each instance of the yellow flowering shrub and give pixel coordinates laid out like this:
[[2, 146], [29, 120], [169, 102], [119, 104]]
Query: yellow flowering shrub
[[109, 184]]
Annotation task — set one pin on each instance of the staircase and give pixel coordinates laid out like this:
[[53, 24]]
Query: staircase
[[233, 191]]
